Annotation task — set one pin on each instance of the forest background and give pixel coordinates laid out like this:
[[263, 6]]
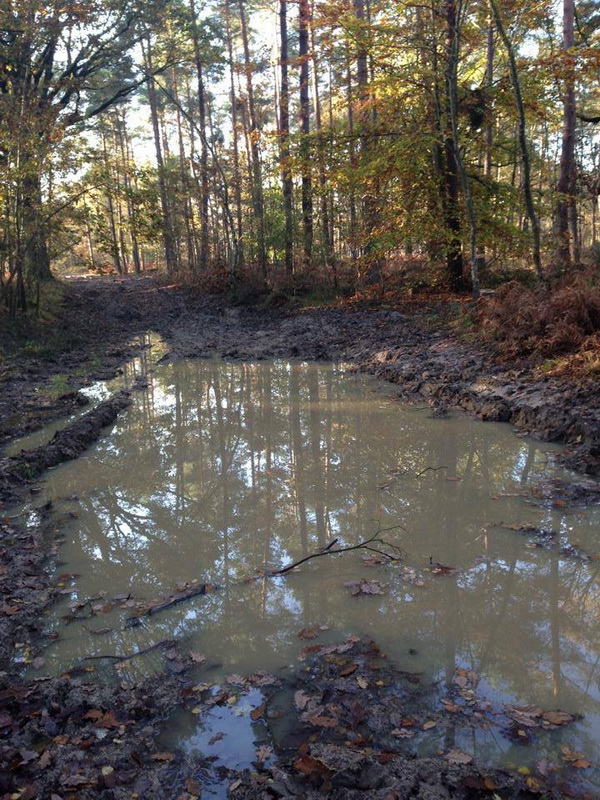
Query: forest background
[[301, 143]]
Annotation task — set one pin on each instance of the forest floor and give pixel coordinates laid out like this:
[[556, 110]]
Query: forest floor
[[68, 737]]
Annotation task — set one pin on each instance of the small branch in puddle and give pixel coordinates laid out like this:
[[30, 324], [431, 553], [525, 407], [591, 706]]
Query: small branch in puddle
[[329, 550], [166, 643], [397, 474]]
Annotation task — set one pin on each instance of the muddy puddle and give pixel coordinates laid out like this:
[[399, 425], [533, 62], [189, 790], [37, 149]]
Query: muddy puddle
[[220, 470], [152, 348]]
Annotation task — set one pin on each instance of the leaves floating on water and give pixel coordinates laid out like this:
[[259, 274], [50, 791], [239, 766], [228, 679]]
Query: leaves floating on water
[[365, 586], [574, 759], [440, 569]]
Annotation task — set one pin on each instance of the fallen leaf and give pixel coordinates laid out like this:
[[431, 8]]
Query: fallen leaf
[[193, 787], [429, 725], [458, 757], [307, 765], [362, 682], [557, 717], [309, 633], [403, 733], [216, 738], [164, 756], [301, 699], [348, 670], [451, 707], [264, 752], [321, 721], [365, 587], [197, 658], [258, 712], [581, 763]]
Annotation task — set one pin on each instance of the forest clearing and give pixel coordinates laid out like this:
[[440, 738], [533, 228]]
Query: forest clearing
[[299, 405]]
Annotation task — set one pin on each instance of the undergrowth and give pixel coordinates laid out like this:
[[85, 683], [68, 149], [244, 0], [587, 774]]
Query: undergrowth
[[561, 323]]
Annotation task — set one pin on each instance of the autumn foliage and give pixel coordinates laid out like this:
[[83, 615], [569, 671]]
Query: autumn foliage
[[543, 322]]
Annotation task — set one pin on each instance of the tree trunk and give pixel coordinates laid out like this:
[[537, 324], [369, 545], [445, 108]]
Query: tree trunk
[[254, 135], [305, 149], [566, 210], [522, 137], [284, 144], [36, 257], [203, 256], [237, 178], [452, 55], [167, 223]]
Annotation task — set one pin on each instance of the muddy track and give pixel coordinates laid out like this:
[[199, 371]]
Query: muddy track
[[58, 737], [108, 314]]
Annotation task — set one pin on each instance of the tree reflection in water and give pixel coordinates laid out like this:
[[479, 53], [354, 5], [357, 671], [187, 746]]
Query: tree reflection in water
[[220, 468]]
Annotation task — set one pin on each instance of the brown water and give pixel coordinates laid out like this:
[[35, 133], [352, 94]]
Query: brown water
[[222, 468]]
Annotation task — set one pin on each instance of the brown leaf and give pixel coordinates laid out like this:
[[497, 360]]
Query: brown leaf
[[309, 633], [403, 733], [458, 757], [301, 699], [264, 752], [258, 712], [307, 765], [45, 759], [581, 763], [452, 708], [365, 587], [322, 722], [362, 682], [103, 719], [164, 756], [197, 658], [193, 787], [557, 717], [348, 670]]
